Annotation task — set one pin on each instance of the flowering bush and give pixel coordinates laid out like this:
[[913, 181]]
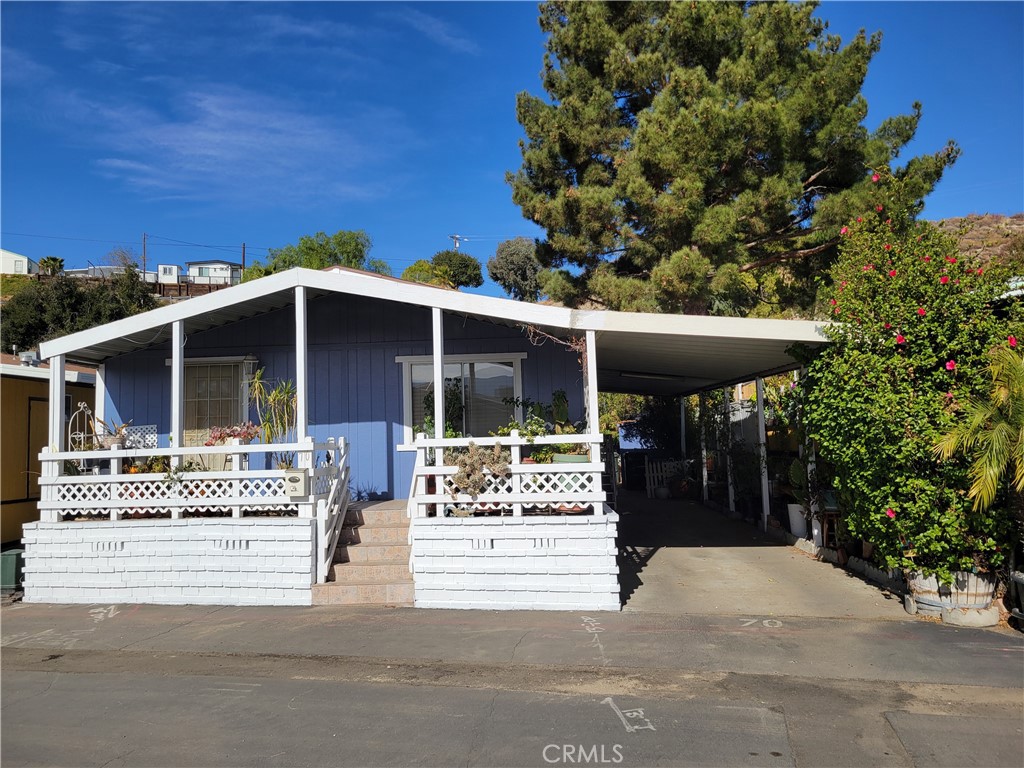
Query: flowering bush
[[244, 431], [916, 321]]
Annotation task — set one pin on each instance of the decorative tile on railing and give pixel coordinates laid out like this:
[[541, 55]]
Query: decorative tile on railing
[[142, 436], [83, 492], [563, 484]]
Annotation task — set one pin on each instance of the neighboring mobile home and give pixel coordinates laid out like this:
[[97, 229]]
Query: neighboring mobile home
[[365, 354], [25, 402]]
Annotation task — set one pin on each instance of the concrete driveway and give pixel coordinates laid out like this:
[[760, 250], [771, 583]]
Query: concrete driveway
[[679, 557]]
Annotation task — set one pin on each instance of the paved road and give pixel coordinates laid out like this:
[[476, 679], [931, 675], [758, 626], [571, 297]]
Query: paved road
[[149, 685]]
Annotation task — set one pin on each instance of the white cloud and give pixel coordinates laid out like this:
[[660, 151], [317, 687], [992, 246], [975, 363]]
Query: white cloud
[[435, 29], [229, 144]]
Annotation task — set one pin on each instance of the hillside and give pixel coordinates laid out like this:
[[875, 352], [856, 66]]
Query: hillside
[[995, 238]]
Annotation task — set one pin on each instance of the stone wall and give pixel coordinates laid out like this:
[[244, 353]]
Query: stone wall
[[202, 561], [548, 563]]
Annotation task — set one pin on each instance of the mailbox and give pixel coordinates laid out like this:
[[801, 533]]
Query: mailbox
[[296, 484]]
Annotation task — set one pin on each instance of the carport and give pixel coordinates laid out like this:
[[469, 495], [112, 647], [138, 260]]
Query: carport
[[680, 556]]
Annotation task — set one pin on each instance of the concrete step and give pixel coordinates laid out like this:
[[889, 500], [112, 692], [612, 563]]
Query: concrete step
[[370, 573], [380, 553], [374, 534], [363, 594], [378, 515]]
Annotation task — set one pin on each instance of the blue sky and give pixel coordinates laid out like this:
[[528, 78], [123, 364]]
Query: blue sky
[[223, 123]]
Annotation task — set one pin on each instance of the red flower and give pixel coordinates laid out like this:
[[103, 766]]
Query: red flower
[[835, 311], [844, 230], [879, 208], [951, 259], [868, 267], [921, 312], [944, 279], [892, 273], [926, 258], [875, 177], [951, 365], [859, 219], [889, 513], [1011, 340], [981, 271], [888, 247], [887, 326], [832, 302], [900, 338]]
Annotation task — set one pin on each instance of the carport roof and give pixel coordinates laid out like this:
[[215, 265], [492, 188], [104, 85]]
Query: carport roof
[[636, 352]]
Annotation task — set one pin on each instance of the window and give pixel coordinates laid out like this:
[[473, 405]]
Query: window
[[166, 271], [19, 266], [215, 396], [476, 390], [204, 272]]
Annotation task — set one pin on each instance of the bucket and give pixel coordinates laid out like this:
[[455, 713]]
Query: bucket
[[797, 521]]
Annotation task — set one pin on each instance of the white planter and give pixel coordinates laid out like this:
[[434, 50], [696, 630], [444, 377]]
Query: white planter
[[797, 521], [816, 534]]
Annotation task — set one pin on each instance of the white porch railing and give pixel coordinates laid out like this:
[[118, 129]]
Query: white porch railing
[[658, 473], [528, 487], [316, 488]]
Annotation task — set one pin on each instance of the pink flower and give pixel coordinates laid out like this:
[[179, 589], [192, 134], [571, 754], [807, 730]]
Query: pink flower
[[875, 177], [832, 302], [944, 279], [1011, 340], [887, 326], [879, 208], [900, 339], [926, 258], [835, 311], [981, 271], [844, 230], [921, 312], [951, 259], [868, 267], [892, 273], [951, 365], [890, 514]]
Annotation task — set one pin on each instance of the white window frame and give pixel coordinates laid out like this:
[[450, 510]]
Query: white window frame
[[248, 364], [407, 361]]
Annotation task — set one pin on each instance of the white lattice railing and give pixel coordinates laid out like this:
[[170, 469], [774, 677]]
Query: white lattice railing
[[658, 473], [531, 488], [103, 491]]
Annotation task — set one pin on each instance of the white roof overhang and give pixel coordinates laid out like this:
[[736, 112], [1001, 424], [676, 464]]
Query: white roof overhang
[[636, 352]]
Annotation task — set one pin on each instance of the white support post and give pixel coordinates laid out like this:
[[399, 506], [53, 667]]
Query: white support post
[[57, 402], [301, 366], [99, 408], [762, 454], [438, 359], [517, 479], [593, 417], [304, 459], [682, 429], [177, 389], [703, 449], [727, 416]]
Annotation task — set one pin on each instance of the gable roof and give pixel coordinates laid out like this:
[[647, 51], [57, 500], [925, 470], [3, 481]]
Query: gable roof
[[636, 352]]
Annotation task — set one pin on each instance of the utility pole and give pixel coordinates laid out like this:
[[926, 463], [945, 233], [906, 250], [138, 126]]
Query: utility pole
[[457, 238], [243, 257], [143, 257]]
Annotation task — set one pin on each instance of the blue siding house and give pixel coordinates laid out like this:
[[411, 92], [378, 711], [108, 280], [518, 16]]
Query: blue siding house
[[159, 515]]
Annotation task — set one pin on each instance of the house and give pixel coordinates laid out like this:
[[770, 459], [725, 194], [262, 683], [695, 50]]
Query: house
[[213, 272], [24, 400], [15, 264], [364, 353]]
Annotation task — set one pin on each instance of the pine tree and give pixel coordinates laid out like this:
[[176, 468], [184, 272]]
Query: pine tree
[[701, 157]]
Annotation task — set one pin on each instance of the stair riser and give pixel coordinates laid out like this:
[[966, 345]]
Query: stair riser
[[361, 553], [370, 535], [354, 573], [376, 517], [363, 594]]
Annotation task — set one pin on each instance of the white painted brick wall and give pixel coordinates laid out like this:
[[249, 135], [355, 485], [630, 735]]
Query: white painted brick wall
[[502, 563], [255, 561]]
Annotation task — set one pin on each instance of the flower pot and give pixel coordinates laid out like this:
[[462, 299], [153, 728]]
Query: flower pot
[[816, 532], [968, 590], [797, 521]]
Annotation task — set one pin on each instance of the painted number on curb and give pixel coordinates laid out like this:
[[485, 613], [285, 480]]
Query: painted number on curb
[[633, 720], [770, 623]]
